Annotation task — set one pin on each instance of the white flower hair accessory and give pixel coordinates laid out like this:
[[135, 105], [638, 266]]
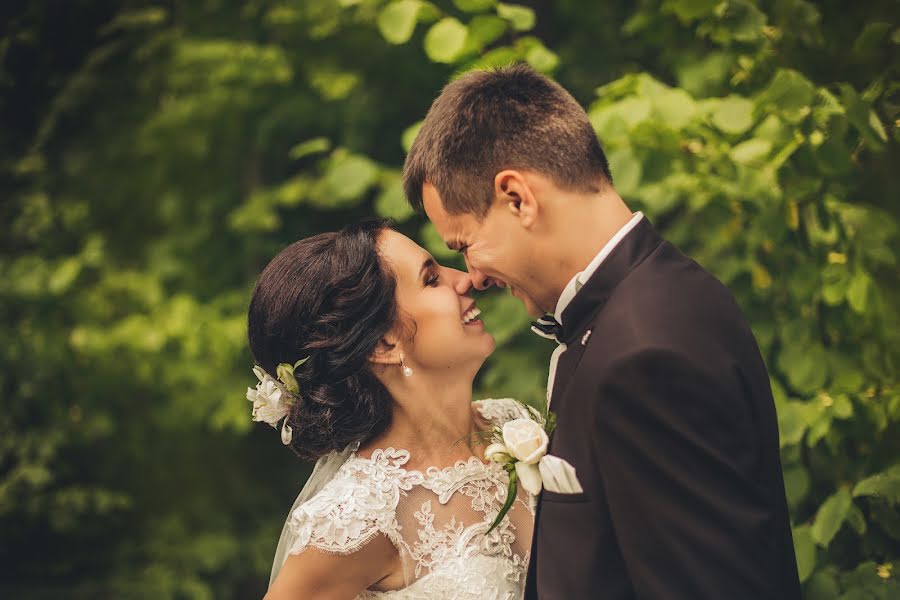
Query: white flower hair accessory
[[272, 398]]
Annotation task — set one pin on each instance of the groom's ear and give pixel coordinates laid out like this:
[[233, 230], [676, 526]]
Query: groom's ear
[[512, 189]]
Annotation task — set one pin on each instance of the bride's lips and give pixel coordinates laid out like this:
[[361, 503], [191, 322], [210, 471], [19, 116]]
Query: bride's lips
[[475, 320]]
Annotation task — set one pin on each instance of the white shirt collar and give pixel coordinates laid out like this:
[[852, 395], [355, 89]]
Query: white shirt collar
[[576, 283]]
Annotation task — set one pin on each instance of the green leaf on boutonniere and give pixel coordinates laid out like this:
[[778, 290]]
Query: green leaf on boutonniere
[[510, 496], [549, 422], [300, 362]]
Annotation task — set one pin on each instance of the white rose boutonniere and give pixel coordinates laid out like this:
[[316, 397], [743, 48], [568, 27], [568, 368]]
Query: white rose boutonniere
[[526, 440], [521, 446]]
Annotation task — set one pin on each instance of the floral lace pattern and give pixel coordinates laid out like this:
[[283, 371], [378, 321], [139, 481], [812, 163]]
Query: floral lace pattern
[[437, 520], [359, 504], [500, 410]]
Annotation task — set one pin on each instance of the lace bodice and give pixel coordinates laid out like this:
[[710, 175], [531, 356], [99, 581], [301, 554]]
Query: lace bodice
[[436, 518]]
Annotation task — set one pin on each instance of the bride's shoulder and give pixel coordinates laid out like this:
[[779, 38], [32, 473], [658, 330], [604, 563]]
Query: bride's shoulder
[[357, 504], [498, 411], [377, 476]]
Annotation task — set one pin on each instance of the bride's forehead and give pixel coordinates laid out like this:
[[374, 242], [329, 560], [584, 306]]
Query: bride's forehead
[[400, 250]]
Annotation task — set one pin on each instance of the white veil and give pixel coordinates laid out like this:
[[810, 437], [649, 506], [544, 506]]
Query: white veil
[[324, 471]]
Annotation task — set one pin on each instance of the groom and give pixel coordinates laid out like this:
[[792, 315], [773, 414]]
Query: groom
[[662, 397]]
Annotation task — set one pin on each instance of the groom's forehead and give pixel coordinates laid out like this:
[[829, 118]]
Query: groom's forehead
[[434, 209], [431, 201], [446, 223]]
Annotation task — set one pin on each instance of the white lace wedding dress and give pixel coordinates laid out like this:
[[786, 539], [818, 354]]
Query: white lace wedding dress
[[436, 518]]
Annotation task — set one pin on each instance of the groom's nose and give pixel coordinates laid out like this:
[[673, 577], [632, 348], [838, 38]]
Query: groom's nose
[[461, 283], [479, 279]]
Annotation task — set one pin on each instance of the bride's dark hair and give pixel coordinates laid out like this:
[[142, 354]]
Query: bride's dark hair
[[329, 297]]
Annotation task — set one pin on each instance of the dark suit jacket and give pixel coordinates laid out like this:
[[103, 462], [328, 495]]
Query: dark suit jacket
[[666, 413]]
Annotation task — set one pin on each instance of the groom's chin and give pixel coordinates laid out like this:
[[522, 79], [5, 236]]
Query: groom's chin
[[530, 307], [534, 311]]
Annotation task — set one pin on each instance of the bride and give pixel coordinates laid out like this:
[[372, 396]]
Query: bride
[[366, 351]]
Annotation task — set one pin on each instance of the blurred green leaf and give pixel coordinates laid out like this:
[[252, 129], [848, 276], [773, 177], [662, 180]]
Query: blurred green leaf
[[858, 292], [688, 10], [857, 520], [445, 40], [885, 485], [64, 275], [349, 175], [474, 6], [542, 59], [835, 281], [397, 20], [484, 30], [675, 108], [733, 115], [391, 202], [752, 151], [312, 146], [805, 550], [409, 135], [823, 585], [790, 93], [830, 516], [870, 37], [804, 366], [796, 484], [626, 170], [521, 17], [792, 424]]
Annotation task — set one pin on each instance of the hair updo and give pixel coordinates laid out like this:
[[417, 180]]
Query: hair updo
[[329, 297]]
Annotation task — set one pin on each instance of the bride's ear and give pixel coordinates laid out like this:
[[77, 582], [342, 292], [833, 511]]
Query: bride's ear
[[387, 352]]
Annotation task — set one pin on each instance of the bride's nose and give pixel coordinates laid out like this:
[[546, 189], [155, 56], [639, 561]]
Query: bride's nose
[[462, 284]]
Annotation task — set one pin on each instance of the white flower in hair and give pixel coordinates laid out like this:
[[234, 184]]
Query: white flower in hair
[[268, 402], [273, 398]]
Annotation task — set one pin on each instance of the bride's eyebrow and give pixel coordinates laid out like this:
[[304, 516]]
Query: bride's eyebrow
[[429, 263]]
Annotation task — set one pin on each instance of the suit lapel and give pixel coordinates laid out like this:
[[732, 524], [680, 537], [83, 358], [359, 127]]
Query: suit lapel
[[589, 300], [581, 312], [565, 368]]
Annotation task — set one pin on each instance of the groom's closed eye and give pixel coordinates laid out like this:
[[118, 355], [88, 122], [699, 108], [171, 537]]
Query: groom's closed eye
[[458, 247]]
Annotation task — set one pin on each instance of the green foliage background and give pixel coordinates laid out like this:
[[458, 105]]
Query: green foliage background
[[155, 156]]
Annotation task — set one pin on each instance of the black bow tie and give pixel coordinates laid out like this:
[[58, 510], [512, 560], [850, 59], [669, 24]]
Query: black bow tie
[[548, 327]]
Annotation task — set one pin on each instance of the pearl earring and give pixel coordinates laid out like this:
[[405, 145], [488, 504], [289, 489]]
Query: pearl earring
[[407, 372]]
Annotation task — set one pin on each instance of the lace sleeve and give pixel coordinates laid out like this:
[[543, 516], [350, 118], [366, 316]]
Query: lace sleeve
[[359, 504], [498, 411]]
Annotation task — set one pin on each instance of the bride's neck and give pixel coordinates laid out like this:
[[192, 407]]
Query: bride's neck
[[431, 419]]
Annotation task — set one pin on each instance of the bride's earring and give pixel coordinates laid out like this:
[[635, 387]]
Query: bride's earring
[[407, 372]]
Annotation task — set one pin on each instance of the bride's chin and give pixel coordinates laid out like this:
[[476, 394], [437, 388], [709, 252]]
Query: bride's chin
[[485, 351], [490, 346]]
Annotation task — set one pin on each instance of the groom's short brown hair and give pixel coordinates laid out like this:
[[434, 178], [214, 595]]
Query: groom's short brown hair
[[506, 118]]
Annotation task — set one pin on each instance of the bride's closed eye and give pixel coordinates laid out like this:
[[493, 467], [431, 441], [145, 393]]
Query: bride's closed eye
[[432, 280]]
